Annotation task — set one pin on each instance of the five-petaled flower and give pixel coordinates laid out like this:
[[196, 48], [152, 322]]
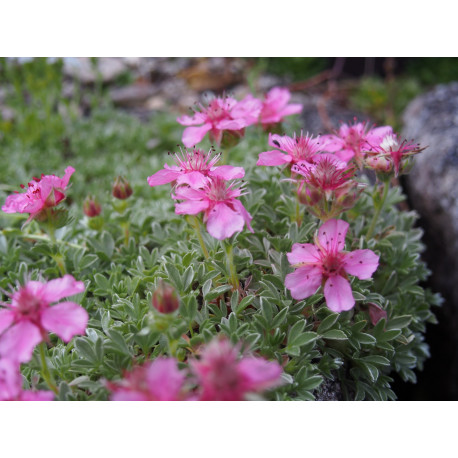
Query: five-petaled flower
[[11, 384], [160, 380], [224, 376], [195, 168], [42, 193], [221, 114], [27, 320], [218, 199], [326, 263]]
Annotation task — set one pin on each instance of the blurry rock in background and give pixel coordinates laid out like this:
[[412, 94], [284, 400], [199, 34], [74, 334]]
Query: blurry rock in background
[[432, 119]]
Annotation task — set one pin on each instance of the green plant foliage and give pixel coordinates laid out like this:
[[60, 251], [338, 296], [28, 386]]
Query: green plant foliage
[[122, 257]]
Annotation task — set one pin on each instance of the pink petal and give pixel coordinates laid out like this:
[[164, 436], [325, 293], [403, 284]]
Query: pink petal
[[6, 318], [222, 222], [273, 158], [331, 143], [10, 380], [66, 319], [57, 289], [304, 281], [194, 135], [163, 177], [231, 124], [304, 253], [191, 207], [187, 193], [259, 374], [361, 263], [165, 379], [197, 118], [194, 179], [69, 171], [129, 395], [37, 396], [338, 294], [17, 342], [378, 134], [345, 154], [227, 172], [331, 235], [243, 211]]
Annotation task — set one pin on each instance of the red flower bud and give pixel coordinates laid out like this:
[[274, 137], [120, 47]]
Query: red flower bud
[[376, 313], [121, 188], [165, 298], [91, 207]]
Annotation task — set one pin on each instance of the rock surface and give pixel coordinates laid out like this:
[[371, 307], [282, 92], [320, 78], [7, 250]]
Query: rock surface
[[432, 119]]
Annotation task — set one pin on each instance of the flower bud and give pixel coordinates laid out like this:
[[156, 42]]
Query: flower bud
[[91, 207], [379, 163], [376, 313], [121, 188], [231, 138], [165, 298]]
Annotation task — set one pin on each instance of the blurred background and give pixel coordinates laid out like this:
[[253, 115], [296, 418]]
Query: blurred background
[[59, 106]]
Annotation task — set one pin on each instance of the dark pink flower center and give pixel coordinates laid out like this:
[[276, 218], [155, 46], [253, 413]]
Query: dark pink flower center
[[332, 263], [29, 307]]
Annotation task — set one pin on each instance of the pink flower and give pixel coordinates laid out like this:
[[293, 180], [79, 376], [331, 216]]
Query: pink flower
[[160, 380], [26, 321], [326, 263], [220, 115], [223, 212], [195, 168], [275, 106], [223, 376], [303, 149], [390, 153], [11, 385], [353, 140], [43, 193]]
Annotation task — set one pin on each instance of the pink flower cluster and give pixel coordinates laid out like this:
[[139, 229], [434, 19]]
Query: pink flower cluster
[[225, 114], [203, 187], [220, 375], [42, 193]]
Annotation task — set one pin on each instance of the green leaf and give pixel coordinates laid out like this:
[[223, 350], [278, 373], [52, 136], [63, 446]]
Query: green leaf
[[118, 341], [334, 334], [327, 323]]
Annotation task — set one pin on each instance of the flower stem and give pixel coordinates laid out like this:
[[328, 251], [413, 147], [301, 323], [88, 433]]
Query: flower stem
[[230, 261], [45, 370], [378, 209], [194, 222], [298, 208]]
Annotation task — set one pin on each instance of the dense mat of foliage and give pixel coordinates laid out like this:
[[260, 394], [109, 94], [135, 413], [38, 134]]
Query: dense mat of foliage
[[122, 255]]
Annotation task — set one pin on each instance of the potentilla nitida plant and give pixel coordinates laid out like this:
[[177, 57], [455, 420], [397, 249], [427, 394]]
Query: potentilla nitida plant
[[222, 114], [41, 196], [327, 187], [195, 168], [326, 264]]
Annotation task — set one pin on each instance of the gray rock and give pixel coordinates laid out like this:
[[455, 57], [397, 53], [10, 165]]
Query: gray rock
[[432, 119]]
